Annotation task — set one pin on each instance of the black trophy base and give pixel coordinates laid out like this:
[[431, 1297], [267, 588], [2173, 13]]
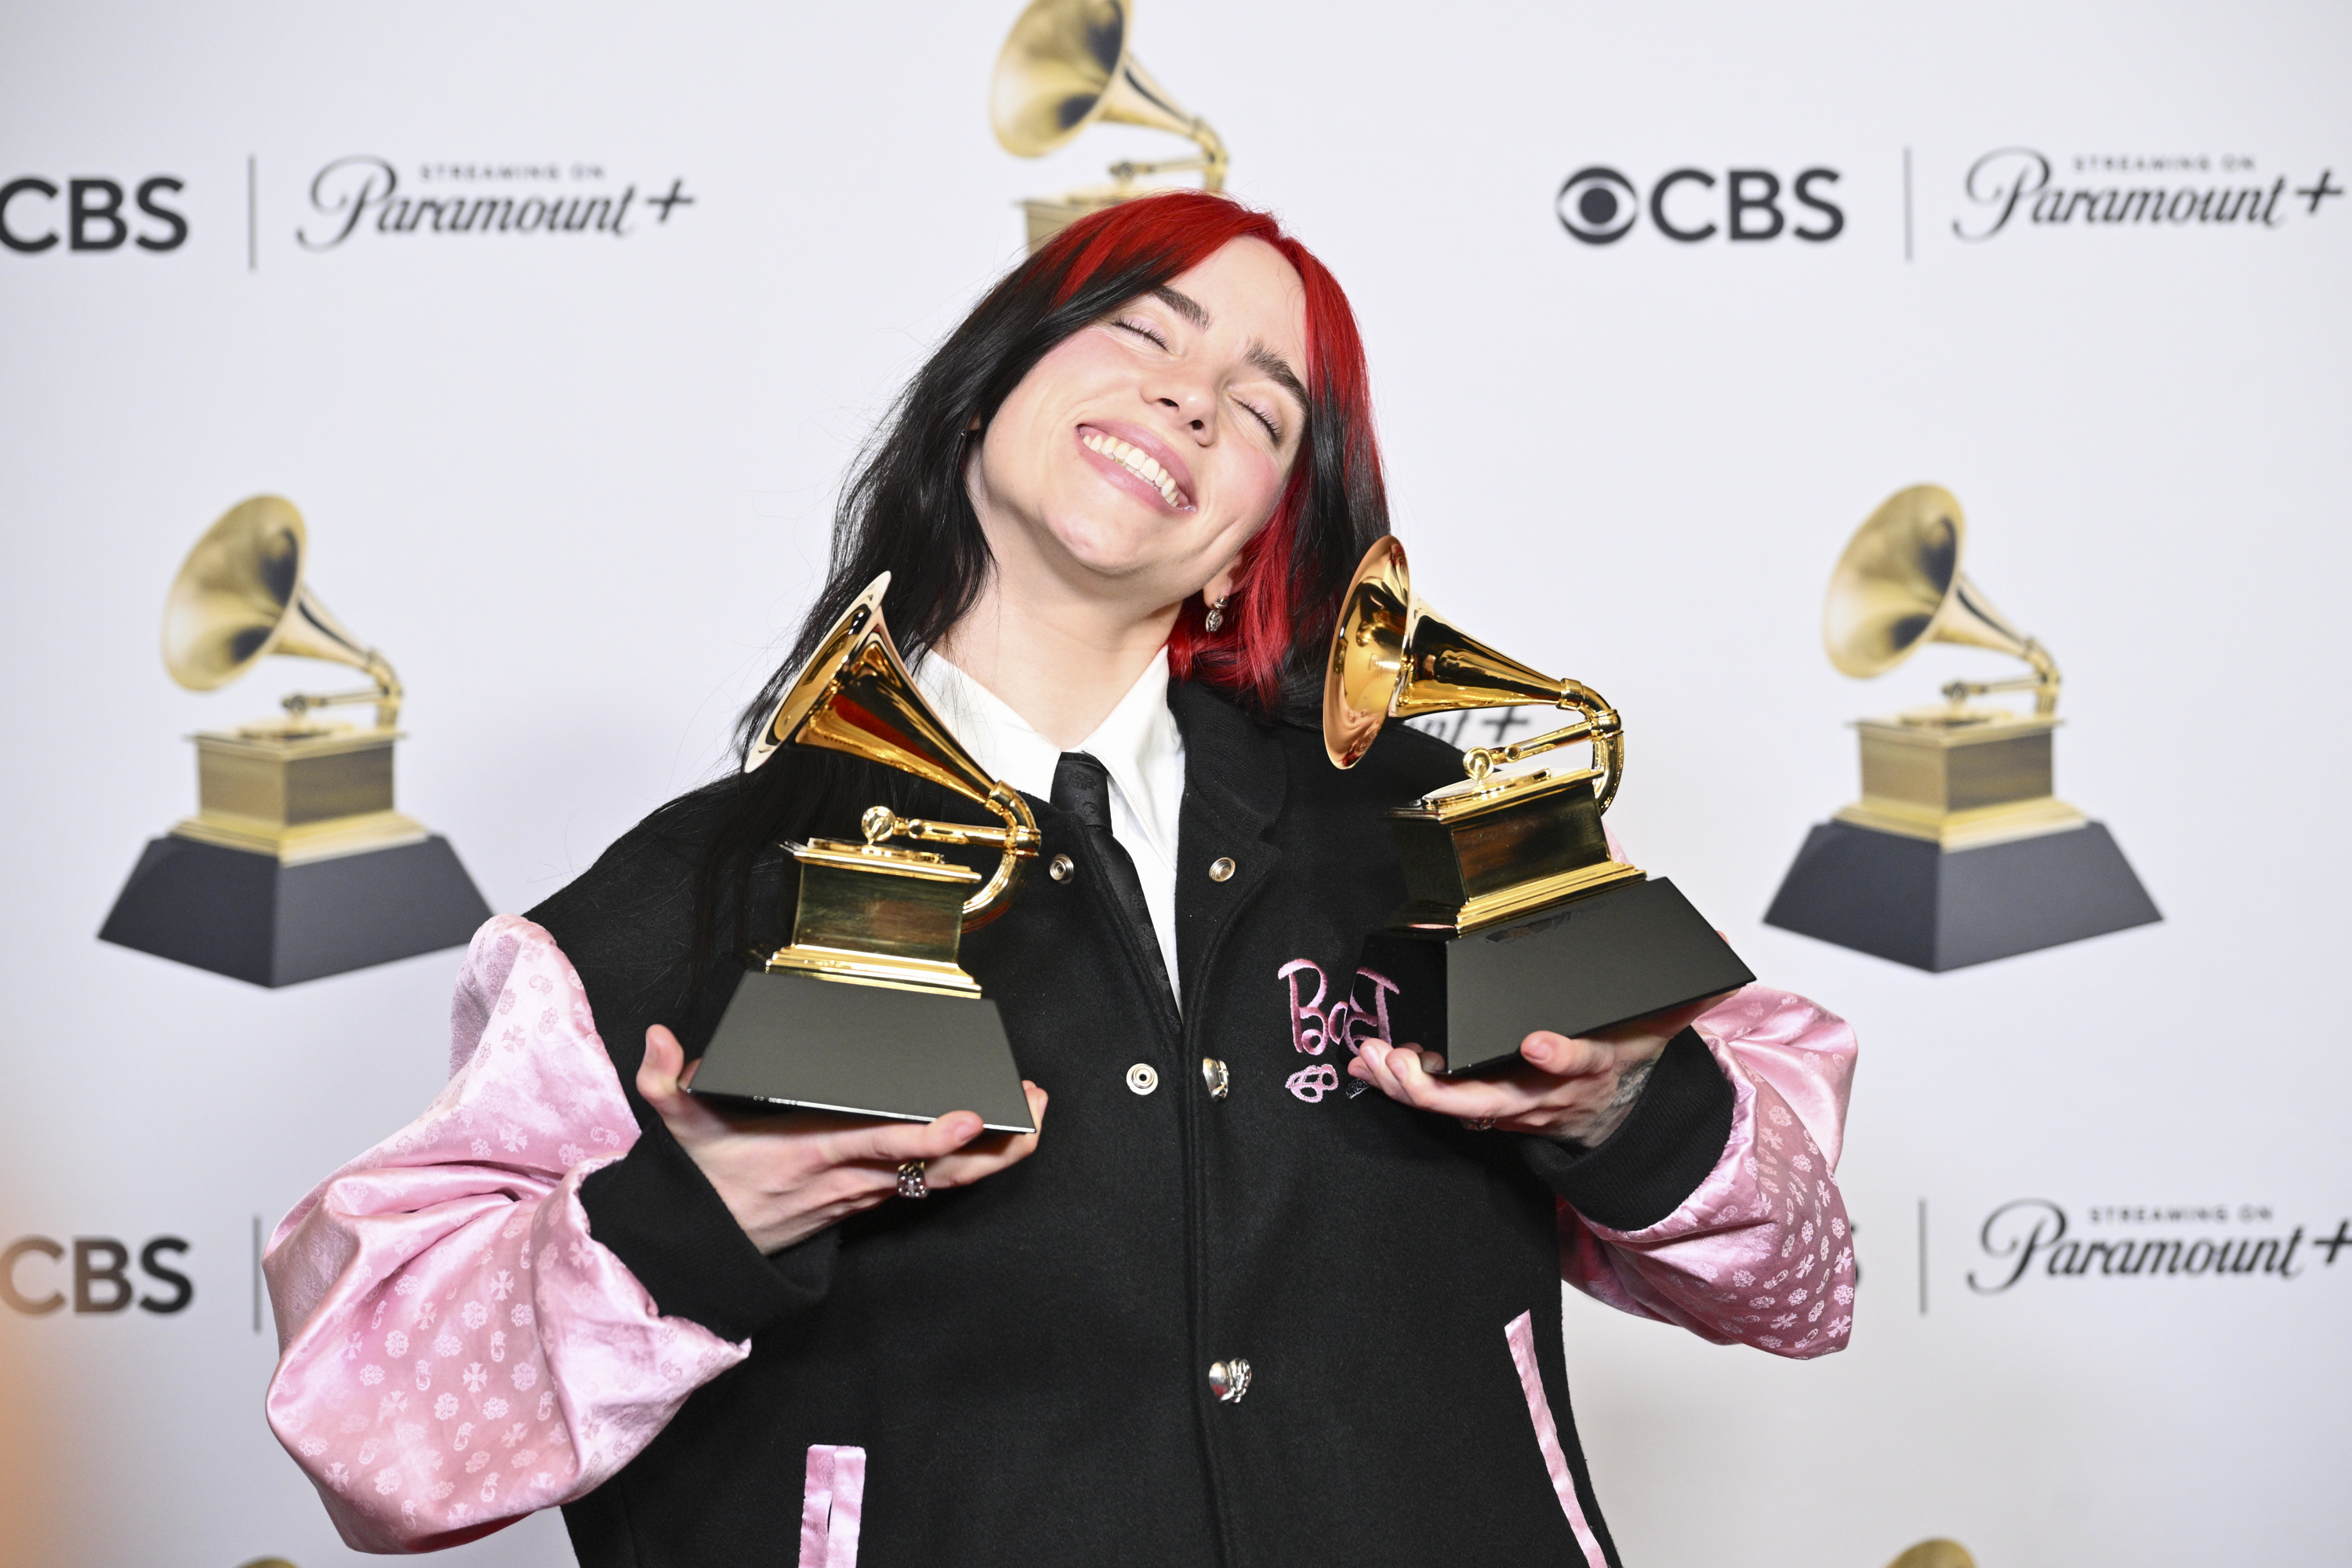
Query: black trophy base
[[1601, 960], [1910, 900], [794, 1041], [252, 917]]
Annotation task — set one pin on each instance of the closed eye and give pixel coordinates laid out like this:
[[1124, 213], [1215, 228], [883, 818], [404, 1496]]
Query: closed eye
[[1143, 330], [1272, 429]]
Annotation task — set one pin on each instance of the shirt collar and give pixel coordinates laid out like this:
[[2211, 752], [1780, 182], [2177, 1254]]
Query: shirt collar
[[1137, 742]]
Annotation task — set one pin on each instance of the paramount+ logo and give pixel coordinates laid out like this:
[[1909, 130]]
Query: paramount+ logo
[[1598, 204]]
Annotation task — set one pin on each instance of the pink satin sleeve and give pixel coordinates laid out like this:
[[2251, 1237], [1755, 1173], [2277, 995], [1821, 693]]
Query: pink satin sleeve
[[1762, 1253], [456, 1349]]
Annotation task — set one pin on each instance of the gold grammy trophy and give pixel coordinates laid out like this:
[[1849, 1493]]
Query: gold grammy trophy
[[296, 864], [1068, 65], [867, 1010], [1957, 851], [1516, 918]]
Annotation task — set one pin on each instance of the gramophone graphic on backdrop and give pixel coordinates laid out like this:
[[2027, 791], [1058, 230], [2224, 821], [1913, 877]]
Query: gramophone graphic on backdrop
[[867, 1010], [1516, 918], [1957, 852], [296, 865], [1068, 65]]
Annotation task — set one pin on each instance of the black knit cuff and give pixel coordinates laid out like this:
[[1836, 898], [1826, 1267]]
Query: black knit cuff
[[1643, 1171], [661, 1218]]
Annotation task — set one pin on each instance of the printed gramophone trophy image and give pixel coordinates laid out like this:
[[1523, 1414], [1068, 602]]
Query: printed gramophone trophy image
[[1957, 852], [1515, 918], [1068, 65], [867, 1010], [295, 865]]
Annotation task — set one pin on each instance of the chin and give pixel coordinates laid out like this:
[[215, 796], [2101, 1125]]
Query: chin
[[1111, 550]]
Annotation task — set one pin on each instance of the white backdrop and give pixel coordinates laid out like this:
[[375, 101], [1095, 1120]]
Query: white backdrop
[[577, 485]]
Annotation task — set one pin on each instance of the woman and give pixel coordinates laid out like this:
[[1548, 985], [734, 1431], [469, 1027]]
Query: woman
[[1226, 1296]]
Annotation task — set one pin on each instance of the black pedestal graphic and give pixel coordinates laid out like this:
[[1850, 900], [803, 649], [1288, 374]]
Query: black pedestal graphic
[[791, 1040], [254, 917], [1601, 960], [1910, 900]]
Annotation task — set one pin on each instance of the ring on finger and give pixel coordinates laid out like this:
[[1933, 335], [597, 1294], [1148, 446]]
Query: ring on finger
[[1478, 1124], [910, 1179]]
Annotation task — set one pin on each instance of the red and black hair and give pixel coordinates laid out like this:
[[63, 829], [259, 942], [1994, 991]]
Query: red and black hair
[[1287, 579], [905, 510]]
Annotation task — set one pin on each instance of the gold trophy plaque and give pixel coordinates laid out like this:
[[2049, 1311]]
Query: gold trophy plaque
[[1068, 65], [1958, 850], [1516, 918], [867, 1010], [296, 864]]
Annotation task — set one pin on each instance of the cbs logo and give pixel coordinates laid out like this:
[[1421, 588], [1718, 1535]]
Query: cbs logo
[[1600, 206], [93, 218], [100, 1274]]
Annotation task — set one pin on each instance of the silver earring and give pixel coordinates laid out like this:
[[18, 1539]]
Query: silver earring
[[1216, 622]]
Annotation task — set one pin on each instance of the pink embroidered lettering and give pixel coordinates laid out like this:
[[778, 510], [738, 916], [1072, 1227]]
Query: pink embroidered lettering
[[1309, 1040], [1311, 1084], [1376, 1027], [1350, 1020]]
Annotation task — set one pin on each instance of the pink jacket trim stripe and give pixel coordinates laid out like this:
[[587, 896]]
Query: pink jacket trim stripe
[[831, 1501], [1520, 1333]]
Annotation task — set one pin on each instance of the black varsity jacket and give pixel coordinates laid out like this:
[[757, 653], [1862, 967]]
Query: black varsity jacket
[[1025, 1361]]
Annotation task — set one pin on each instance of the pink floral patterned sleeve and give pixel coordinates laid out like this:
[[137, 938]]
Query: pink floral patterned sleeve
[[1762, 1253], [456, 1349]]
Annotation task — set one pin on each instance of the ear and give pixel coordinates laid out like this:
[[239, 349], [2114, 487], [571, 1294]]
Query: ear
[[1220, 585]]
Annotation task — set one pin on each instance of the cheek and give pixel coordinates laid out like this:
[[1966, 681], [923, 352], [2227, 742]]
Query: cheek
[[1255, 482]]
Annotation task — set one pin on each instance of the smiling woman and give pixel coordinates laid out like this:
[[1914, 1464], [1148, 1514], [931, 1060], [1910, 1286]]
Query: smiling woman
[[1117, 507]]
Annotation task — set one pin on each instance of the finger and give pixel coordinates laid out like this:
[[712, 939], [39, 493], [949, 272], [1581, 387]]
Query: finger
[[1560, 1056], [984, 1156], [893, 1143], [1380, 1066], [1432, 1061], [658, 1078]]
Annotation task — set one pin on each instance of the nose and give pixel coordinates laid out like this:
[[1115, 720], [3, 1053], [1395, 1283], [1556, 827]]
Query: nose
[[1188, 402]]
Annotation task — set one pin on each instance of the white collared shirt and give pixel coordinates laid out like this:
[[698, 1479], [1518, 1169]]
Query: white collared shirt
[[1137, 744]]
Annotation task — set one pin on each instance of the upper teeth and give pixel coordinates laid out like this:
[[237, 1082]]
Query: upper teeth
[[1139, 463]]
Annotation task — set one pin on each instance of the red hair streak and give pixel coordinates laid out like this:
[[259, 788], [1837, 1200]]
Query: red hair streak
[[1278, 604]]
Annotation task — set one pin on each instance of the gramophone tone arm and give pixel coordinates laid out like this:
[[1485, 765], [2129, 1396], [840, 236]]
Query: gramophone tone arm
[[880, 822], [2044, 683], [1018, 839], [385, 694], [1212, 163], [1127, 171], [1599, 724]]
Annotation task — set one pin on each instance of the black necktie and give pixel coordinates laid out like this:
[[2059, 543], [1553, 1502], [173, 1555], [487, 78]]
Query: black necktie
[[1082, 788]]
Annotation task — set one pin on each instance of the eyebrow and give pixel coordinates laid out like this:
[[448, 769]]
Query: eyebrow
[[1273, 365], [1278, 370], [1184, 305]]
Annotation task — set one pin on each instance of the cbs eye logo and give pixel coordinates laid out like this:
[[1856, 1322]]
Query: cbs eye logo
[[1600, 206]]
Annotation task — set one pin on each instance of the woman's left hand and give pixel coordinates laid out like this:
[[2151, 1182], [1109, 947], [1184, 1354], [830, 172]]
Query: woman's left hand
[[1580, 1090]]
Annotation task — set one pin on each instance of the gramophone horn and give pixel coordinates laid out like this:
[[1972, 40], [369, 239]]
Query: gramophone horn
[[1393, 657], [853, 695], [239, 597], [1067, 65], [1899, 585]]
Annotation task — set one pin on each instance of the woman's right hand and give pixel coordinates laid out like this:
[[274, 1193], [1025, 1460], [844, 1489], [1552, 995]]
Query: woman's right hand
[[786, 1178]]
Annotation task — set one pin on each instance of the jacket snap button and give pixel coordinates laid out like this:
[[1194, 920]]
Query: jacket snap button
[[1213, 1073], [1142, 1078], [1060, 866], [1229, 1380], [1221, 869]]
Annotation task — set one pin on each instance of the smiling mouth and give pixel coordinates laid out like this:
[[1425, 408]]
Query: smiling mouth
[[1137, 461]]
